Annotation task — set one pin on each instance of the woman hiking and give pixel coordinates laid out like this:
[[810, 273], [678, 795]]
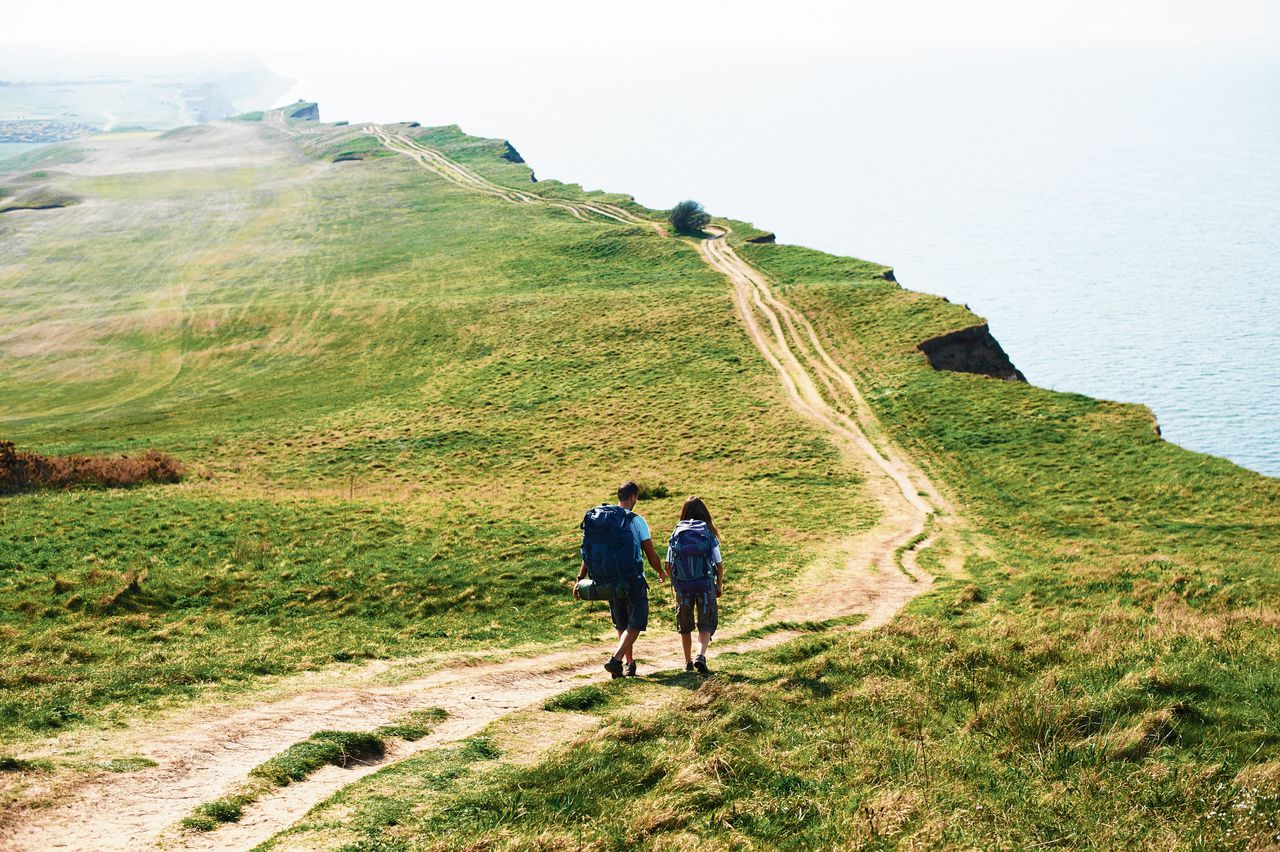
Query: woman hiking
[[697, 577]]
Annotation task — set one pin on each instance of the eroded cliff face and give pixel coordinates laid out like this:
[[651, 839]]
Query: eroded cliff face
[[971, 350], [510, 154], [302, 111]]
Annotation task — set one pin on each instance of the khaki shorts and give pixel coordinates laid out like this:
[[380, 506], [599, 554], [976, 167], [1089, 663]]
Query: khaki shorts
[[700, 610]]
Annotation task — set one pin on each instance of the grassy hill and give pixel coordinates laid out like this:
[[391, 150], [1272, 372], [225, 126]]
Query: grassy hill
[[398, 394], [1109, 677], [397, 397]]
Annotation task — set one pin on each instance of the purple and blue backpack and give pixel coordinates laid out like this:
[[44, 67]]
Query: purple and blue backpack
[[689, 554]]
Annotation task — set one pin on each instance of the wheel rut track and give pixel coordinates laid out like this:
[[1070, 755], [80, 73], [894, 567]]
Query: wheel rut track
[[204, 757]]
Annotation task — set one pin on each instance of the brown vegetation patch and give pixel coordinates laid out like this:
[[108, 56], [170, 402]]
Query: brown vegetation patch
[[887, 813], [1260, 776], [1152, 730], [20, 471]]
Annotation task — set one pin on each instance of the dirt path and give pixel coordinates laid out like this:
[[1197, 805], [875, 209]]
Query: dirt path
[[816, 386], [822, 391], [458, 174], [203, 758]]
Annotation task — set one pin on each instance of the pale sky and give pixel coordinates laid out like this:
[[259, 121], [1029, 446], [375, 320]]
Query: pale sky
[[352, 30]]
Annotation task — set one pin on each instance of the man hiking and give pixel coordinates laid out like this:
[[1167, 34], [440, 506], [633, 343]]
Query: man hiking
[[629, 606]]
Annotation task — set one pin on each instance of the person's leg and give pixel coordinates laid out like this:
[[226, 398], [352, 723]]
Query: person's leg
[[626, 658], [637, 618], [626, 640], [708, 619], [684, 625], [623, 613], [620, 613]]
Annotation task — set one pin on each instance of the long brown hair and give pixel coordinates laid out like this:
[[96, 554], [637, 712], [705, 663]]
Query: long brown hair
[[695, 510]]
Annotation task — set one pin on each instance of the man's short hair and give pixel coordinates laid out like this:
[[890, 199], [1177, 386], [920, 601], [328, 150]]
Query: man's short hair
[[627, 490]]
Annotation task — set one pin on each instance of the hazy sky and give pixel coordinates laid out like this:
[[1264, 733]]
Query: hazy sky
[[149, 27]]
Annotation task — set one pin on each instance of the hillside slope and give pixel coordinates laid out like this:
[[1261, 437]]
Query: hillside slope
[[397, 398], [381, 380], [399, 387]]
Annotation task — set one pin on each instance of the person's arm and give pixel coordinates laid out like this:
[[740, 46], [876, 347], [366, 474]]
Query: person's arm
[[718, 561], [582, 572], [651, 554]]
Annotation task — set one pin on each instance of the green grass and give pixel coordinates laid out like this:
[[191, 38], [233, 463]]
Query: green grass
[[129, 764], [57, 154], [38, 198], [579, 699], [14, 149], [397, 398], [359, 148], [325, 747], [394, 398], [210, 815], [414, 726], [1107, 676], [297, 762], [371, 814]]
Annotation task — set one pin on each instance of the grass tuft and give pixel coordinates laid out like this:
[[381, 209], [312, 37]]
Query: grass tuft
[[414, 725], [479, 747], [653, 491], [323, 748], [340, 748], [579, 699], [210, 815]]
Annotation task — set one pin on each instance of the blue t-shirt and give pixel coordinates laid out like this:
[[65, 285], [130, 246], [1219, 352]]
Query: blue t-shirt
[[640, 529]]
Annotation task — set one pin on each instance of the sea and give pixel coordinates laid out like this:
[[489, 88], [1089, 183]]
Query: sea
[[13, 149], [1114, 214]]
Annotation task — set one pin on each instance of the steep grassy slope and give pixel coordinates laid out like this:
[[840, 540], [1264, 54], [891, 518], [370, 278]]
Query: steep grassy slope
[[397, 398]]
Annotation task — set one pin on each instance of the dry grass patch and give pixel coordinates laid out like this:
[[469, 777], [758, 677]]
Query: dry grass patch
[[23, 471]]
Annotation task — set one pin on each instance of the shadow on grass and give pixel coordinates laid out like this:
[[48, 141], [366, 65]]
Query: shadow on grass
[[691, 681]]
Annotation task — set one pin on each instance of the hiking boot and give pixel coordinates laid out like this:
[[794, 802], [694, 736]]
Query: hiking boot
[[631, 669], [701, 665], [614, 668], [688, 665]]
